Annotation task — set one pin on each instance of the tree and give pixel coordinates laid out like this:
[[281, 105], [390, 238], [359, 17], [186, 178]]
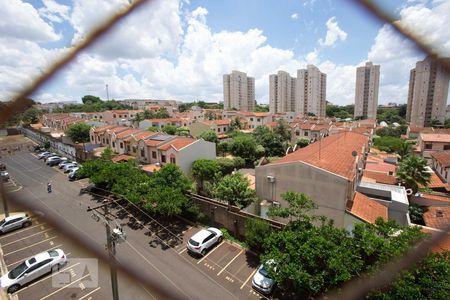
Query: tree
[[299, 207], [162, 113], [30, 116], [204, 170], [428, 280], [227, 165], [302, 142], [47, 144], [261, 108], [235, 190], [170, 129], [404, 150], [183, 131], [272, 142], [209, 136], [244, 146], [236, 124], [89, 99], [256, 230], [170, 175], [210, 115], [153, 129], [283, 130], [79, 132], [223, 147], [388, 143], [413, 171], [415, 213], [107, 154]]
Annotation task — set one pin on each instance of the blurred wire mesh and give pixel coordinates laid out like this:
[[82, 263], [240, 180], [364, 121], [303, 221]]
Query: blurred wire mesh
[[355, 289]]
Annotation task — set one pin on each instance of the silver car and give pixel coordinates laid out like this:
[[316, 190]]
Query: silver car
[[14, 222], [261, 280], [33, 268], [204, 239]]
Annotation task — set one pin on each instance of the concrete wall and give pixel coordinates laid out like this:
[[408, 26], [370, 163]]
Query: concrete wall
[[197, 128], [65, 149], [199, 150], [328, 190]]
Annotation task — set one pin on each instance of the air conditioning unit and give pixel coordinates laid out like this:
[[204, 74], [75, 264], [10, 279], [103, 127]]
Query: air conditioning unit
[[270, 179], [276, 204]]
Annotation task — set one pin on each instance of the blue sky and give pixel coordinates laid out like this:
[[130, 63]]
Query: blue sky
[[177, 49]]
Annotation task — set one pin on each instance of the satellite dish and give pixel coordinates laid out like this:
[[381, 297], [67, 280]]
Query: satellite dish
[[354, 153], [409, 192]]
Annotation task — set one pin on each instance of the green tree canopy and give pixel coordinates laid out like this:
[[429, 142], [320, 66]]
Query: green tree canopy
[[204, 170], [89, 99], [283, 130], [209, 136], [79, 132], [412, 171], [256, 230], [170, 129], [272, 142], [235, 190], [302, 142], [244, 146], [107, 154]]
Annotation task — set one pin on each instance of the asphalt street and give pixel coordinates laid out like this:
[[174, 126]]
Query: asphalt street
[[153, 246]]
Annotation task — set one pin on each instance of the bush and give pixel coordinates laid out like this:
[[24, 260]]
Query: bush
[[228, 165], [193, 212], [256, 230], [388, 143]]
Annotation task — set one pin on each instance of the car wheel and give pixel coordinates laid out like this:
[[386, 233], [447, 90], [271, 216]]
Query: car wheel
[[26, 224], [203, 252], [220, 239], [55, 268], [14, 288]]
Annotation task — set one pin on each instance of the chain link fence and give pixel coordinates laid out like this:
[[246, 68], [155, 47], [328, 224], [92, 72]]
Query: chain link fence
[[355, 289]]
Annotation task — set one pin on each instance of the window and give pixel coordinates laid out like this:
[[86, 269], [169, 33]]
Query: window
[[428, 146], [128, 148], [218, 129], [258, 119], [297, 133], [114, 144], [114, 115], [134, 149], [163, 158], [172, 160], [251, 119], [154, 154], [305, 133], [142, 152], [446, 147], [121, 145]]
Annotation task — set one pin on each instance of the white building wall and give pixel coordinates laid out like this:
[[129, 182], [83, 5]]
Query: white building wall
[[198, 150]]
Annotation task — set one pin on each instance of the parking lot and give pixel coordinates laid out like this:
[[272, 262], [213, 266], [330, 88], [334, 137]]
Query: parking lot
[[154, 244]]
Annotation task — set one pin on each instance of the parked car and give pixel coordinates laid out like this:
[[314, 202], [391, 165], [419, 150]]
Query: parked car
[[50, 155], [70, 166], [42, 154], [73, 174], [63, 163], [261, 280], [204, 239], [53, 160], [33, 268], [4, 176], [14, 222], [2, 167]]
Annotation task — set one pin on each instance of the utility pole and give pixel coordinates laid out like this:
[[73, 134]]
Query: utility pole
[[118, 236], [5, 202]]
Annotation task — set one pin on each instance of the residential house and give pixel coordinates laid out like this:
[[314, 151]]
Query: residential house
[[255, 119], [121, 117], [440, 162], [118, 139], [428, 143], [132, 142], [220, 127], [111, 133], [161, 123], [97, 134]]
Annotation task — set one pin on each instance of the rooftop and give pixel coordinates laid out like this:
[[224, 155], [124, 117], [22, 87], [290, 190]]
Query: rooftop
[[122, 157], [333, 153], [177, 143], [435, 137], [367, 209], [127, 133], [437, 216], [104, 128], [442, 157], [217, 122], [379, 177]]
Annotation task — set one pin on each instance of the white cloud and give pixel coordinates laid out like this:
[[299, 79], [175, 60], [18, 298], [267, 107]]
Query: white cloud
[[54, 11], [20, 20], [294, 16], [334, 34]]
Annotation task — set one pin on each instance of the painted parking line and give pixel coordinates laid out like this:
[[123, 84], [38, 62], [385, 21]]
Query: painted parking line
[[229, 263], [248, 278], [27, 237], [46, 240], [47, 277], [182, 251], [20, 231], [19, 261], [51, 294], [88, 294], [210, 252]]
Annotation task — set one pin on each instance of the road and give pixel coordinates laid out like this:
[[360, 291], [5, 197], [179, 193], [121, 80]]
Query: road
[[154, 246]]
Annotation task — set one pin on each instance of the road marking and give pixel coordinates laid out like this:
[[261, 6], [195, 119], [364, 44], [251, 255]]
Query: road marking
[[209, 253], [20, 231], [30, 246], [229, 263], [27, 237], [88, 294], [182, 251], [32, 256], [79, 279], [248, 278], [47, 277]]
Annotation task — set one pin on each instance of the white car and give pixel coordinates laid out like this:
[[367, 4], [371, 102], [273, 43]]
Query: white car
[[261, 280], [42, 154], [204, 239], [30, 269], [14, 222], [67, 167], [63, 163]]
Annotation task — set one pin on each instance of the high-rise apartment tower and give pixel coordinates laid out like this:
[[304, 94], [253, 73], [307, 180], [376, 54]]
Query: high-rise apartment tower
[[238, 91], [366, 91]]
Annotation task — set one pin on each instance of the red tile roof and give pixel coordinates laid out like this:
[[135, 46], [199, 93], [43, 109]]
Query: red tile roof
[[435, 182], [442, 157], [217, 122], [104, 128], [165, 120], [154, 143], [141, 135], [367, 209], [127, 133], [335, 153], [118, 129], [380, 177], [435, 137], [437, 216], [122, 157], [177, 143], [444, 244], [435, 197]]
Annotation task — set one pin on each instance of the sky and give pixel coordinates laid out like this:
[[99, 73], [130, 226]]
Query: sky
[[179, 49]]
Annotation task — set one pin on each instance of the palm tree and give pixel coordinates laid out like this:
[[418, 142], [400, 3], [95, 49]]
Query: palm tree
[[412, 172], [404, 150]]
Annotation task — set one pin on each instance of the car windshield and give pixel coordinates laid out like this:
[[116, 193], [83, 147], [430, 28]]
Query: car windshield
[[17, 271], [263, 272], [53, 253], [193, 243]]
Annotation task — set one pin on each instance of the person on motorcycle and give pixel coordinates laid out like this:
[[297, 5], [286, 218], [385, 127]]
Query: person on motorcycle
[[49, 187]]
